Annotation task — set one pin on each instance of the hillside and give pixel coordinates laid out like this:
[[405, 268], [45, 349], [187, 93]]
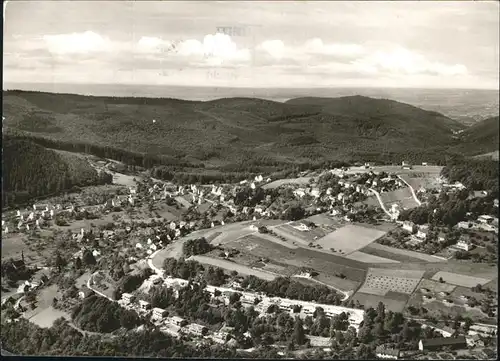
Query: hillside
[[236, 130], [480, 138], [30, 171]]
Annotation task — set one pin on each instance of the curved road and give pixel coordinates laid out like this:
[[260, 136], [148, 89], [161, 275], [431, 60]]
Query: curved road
[[412, 191], [377, 194]]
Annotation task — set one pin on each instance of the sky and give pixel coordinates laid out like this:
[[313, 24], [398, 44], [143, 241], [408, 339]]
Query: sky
[[296, 44]]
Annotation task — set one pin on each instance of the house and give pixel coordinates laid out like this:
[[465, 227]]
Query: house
[[406, 165], [299, 193], [144, 305], [85, 292], [176, 321], [128, 298], [464, 225], [475, 340], [409, 226], [385, 352], [423, 233], [196, 329], [424, 164], [159, 313], [485, 219], [464, 244], [315, 192], [434, 344]]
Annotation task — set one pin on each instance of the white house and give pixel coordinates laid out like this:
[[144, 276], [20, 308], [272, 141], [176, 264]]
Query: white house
[[144, 305], [299, 193], [423, 232], [408, 226], [128, 298], [485, 219], [159, 313], [464, 244]]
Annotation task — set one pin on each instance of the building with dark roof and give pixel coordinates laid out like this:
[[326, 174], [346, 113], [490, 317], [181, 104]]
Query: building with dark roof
[[433, 344]]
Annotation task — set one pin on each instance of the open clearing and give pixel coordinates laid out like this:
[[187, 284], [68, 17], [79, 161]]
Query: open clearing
[[350, 238], [231, 266], [291, 234], [394, 304], [47, 317], [397, 254], [435, 286], [369, 258], [270, 238], [459, 279], [323, 220], [13, 245], [342, 284], [301, 257], [123, 179], [281, 182], [379, 281], [403, 197]]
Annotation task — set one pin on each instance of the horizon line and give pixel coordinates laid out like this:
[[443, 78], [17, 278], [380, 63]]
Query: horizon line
[[8, 86]]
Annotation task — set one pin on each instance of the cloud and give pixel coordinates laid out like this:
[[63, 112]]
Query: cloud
[[316, 46], [403, 61], [77, 43]]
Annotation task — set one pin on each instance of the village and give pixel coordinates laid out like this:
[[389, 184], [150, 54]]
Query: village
[[349, 216]]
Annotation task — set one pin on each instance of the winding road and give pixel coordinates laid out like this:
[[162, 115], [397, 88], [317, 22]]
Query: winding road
[[382, 205], [412, 191]]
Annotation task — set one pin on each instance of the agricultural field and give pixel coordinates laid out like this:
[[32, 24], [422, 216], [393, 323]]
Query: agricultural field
[[324, 220], [232, 266], [397, 254], [436, 287], [460, 279], [307, 236], [301, 257], [350, 238], [437, 308], [301, 181], [342, 284], [293, 235], [381, 281], [369, 258], [392, 300], [274, 239]]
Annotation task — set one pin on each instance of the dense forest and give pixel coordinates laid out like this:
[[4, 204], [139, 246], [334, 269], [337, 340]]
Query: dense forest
[[30, 171], [474, 174], [244, 134]]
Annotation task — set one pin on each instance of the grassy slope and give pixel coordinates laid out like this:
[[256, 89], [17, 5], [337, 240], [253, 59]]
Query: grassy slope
[[233, 129]]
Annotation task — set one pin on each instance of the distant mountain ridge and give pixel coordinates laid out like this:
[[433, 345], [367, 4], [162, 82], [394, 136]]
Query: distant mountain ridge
[[236, 130]]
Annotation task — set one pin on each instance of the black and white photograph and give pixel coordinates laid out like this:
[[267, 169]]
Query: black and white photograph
[[250, 179]]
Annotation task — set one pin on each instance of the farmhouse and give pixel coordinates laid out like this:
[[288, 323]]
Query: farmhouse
[[385, 352], [434, 344], [128, 298]]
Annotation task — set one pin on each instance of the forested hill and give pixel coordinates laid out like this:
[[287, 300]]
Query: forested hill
[[30, 170], [480, 138], [231, 131]]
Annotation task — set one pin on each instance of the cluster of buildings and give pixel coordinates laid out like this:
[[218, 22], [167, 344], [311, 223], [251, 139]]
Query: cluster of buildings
[[483, 222]]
